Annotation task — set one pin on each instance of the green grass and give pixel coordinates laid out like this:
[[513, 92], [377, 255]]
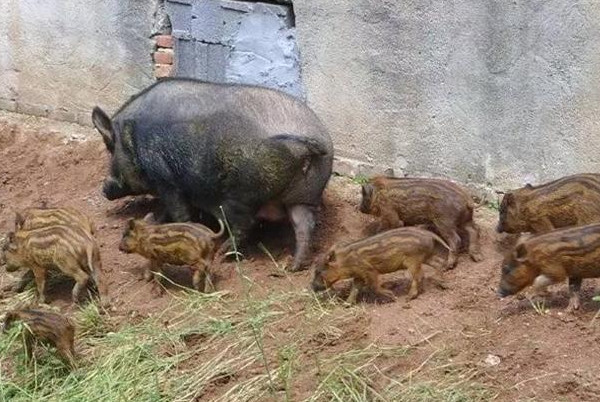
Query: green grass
[[493, 205], [360, 179], [227, 348]]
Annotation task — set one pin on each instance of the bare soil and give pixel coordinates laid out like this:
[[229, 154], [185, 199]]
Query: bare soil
[[547, 355]]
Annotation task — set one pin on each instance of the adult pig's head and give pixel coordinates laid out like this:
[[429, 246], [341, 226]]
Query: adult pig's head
[[512, 219], [125, 176]]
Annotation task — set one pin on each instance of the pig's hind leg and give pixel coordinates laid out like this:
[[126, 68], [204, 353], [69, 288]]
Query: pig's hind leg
[[81, 281], [473, 234], [416, 274], [448, 233], [303, 220]]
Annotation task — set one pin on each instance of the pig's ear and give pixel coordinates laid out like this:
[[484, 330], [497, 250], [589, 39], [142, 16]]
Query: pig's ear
[[126, 135], [520, 253], [131, 224], [104, 126]]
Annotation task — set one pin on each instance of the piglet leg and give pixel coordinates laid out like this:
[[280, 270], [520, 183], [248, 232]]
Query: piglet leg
[[303, 220], [574, 288], [40, 283]]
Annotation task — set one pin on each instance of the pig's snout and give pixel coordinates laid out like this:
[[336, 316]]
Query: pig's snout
[[318, 285], [502, 292], [500, 227], [124, 247]]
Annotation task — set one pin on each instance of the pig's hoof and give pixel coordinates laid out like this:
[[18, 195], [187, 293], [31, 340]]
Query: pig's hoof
[[410, 297], [572, 308], [477, 257], [296, 267]]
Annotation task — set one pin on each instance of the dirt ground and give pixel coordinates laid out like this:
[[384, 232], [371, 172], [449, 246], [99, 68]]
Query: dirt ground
[[521, 352]]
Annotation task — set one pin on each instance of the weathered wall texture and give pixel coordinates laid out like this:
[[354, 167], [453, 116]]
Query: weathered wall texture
[[236, 41], [487, 92], [60, 58]]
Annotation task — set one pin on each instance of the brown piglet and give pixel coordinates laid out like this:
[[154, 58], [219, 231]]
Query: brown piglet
[[174, 243], [441, 205], [69, 249], [47, 327], [37, 218], [549, 258], [364, 260], [569, 201]]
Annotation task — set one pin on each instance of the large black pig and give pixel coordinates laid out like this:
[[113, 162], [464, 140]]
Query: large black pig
[[257, 152]]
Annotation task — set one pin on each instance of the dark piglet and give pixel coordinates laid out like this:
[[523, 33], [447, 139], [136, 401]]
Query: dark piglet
[[47, 327], [200, 146], [569, 201], [550, 258]]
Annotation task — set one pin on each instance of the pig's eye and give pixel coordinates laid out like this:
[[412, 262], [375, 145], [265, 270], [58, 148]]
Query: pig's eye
[[506, 269]]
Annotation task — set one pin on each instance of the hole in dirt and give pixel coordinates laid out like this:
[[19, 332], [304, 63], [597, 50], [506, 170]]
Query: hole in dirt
[[193, 338]]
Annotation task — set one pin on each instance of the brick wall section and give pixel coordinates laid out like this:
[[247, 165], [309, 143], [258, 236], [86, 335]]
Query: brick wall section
[[163, 56]]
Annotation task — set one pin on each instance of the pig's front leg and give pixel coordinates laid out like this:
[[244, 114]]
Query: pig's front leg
[[574, 288], [175, 207]]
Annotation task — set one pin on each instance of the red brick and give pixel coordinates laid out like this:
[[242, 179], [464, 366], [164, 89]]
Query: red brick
[[163, 70], [163, 57], [164, 41]]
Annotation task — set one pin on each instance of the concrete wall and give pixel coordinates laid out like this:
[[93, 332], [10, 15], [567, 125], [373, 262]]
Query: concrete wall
[[60, 58], [487, 92], [236, 41]]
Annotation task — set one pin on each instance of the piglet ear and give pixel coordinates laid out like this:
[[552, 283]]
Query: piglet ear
[[104, 126], [508, 198], [520, 253]]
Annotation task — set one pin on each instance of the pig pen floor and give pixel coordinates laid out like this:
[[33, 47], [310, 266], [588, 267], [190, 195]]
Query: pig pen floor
[[515, 351]]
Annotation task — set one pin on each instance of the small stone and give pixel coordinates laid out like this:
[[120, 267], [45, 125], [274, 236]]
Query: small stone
[[492, 360]]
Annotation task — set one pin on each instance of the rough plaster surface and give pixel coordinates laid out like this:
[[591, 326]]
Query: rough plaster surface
[[493, 93], [236, 41], [60, 58]]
